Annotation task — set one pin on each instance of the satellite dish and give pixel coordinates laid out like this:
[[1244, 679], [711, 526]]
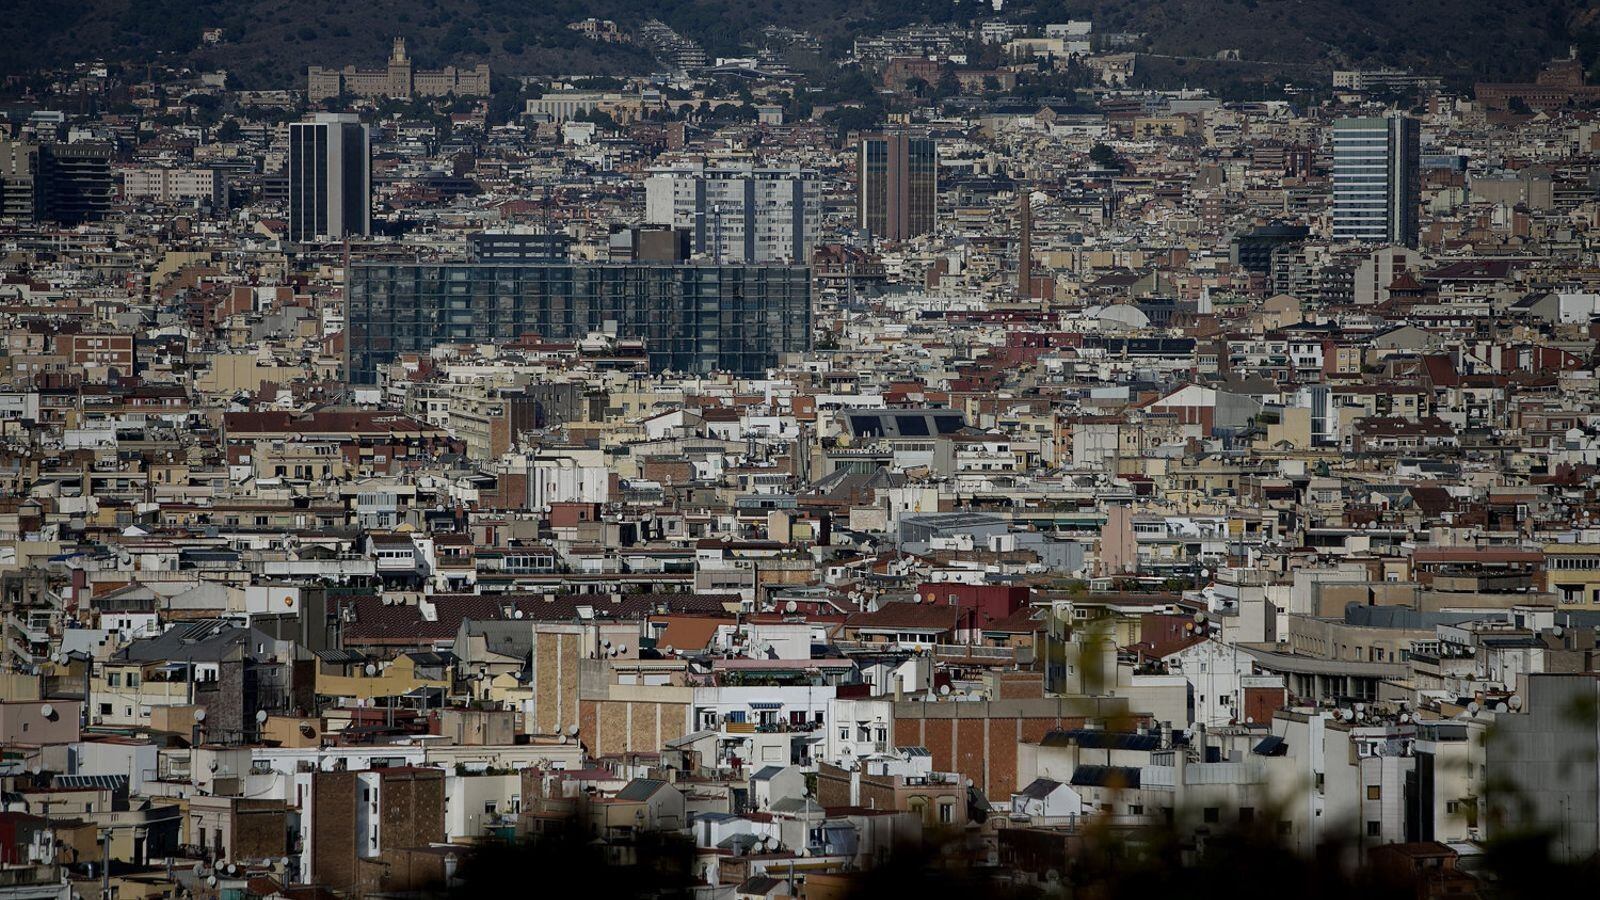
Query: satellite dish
[[1473, 707], [1515, 701], [791, 606], [261, 715], [1249, 720], [371, 670], [606, 644], [517, 614], [233, 869], [211, 880], [1199, 618], [48, 711], [1205, 573], [802, 853], [563, 739], [1361, 708], [623, 649], [944, 690], [200, 715], [668, 649], [573, 729]]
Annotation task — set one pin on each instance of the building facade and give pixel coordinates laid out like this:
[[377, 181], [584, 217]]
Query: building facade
[[204, 186], [330, 178], [692, 317], [400, 78], [64, 183], [899, 186], [1376, 180], [737, 213]]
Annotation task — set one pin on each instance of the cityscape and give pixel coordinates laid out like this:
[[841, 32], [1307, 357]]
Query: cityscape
[[1013, 449]]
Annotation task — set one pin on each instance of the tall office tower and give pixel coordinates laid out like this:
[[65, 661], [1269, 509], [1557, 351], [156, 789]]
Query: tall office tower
[[330, 178], [76, 182], [898, 190], [65, 183], [1376, 183], [737, 213]]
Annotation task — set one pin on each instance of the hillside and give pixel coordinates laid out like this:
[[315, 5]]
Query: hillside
[[269, 42]]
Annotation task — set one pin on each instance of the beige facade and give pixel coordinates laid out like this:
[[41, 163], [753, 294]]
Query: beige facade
[[399, 79]]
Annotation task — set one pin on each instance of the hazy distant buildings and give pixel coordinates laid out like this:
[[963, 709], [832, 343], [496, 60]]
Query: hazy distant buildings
[[400, 78], [1376, 180], [1397, 81], [1559, 84], [898, 185], [330, 178], [737, 213]]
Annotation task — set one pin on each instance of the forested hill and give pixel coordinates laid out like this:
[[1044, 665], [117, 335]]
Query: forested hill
[[268, 43]]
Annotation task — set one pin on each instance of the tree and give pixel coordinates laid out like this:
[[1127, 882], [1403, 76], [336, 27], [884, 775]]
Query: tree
[[1106, 158]]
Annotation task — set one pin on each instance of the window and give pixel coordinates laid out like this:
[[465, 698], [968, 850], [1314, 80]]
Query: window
[[1247, 815], [113, 679], [1213, 815], [1135, 809], [1452, 807], [105, 709], [1374, 792], [489, 807], [1285, 827], [1374, 828], [947, 813]]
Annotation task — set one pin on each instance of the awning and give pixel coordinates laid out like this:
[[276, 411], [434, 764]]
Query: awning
[[765, 704], [1271, 745]]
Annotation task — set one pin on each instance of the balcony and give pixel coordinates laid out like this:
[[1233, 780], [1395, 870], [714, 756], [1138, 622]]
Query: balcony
[[33, 630]]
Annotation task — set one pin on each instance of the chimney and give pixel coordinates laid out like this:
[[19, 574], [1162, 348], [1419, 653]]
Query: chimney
[[1025, 251]]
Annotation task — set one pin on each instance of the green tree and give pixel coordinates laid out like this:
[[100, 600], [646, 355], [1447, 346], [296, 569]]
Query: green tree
[[1106, 158]]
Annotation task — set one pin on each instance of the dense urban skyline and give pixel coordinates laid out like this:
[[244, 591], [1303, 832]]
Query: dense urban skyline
[[940, 449]]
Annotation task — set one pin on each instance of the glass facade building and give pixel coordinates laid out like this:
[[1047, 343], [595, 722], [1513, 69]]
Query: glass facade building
[[330, 178], [899, 186], [692, 317], [1376, 180]]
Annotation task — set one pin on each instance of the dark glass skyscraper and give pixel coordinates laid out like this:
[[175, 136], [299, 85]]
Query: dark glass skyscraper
[[692, 317], [898, 186], [330, 178]]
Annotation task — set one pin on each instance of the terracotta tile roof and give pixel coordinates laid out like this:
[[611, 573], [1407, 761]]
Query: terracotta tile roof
[[908, 615]]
